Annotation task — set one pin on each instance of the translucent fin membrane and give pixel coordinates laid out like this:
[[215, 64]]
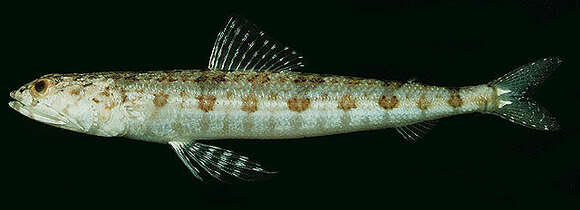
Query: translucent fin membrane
[[527, 113], [513, 103], [242, 46], [414, 132], [217, 162], [527, 77]]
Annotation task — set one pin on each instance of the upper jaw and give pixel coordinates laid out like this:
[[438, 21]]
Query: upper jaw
[[32, 112], [43, 113]]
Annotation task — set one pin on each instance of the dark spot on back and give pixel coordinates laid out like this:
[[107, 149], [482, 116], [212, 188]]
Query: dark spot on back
[[106, 92], [316, 80], [160, 99], [346, 103], [75, 91], [454, 98], [124, 98], [249, 103], [219, 78], [300, 79], [201, 78], [259, 79], [388, 103], [392, 84], [424, 103], [130, 77], [206, 103], [298, 104]]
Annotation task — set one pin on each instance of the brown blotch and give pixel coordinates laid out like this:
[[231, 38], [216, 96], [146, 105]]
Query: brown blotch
[[219, 78], [131, 78], [160, 99], [236, 77], [298, 104], [454, 98], [346, 103], [282, 79], [96, 100], [229, 94], [110, 106], [106, 92], [201, 78], [206, 103], [259, 79], [249, 104], [124, 98], [273, 96], [392, 84], [423, 102], [300, 79], [162, 78], [389, 102], [333, 80], [75, 91], [115, 76], [149, 76], [317, 80], [324, 96], [352, 82]]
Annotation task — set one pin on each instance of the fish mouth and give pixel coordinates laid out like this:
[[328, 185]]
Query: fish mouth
[[44, 113], [53, 118]]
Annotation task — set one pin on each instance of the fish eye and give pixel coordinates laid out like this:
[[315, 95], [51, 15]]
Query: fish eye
[[39, 87]]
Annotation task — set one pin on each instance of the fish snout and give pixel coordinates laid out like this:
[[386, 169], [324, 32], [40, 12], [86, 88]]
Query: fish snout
[[13, 94]]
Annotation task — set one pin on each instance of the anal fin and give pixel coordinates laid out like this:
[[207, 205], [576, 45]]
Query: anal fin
[[217, 162], [414, 132]]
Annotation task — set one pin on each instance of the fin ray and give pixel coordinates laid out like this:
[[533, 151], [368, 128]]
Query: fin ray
[[185, 159], [217, 162], [512, 89], [243, 46], [414, 132]]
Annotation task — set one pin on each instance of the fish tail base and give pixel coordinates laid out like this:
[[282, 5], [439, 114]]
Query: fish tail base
[[514, 105]]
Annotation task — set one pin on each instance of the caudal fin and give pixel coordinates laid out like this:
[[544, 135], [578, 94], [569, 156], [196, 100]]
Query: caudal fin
[[514, 104]]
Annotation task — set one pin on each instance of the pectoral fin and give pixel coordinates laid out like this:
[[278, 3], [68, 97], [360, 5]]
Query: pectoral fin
[[217, 162]]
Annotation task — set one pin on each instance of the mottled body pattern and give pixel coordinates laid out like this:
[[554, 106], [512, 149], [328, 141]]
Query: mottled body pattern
[[251, 91], [192, 104]]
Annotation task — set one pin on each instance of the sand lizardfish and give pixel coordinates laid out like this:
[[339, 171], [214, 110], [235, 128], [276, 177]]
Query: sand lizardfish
[[252, 90]]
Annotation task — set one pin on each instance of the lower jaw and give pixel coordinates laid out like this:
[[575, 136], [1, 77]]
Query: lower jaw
[[26, 111]]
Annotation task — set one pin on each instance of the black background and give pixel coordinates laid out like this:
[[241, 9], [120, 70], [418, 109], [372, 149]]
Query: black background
[[466, 161]]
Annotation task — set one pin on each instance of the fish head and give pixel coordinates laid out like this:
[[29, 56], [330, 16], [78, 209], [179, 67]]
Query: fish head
[[59, 100]]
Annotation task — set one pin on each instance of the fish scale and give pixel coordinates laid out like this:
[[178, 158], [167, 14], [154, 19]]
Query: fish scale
[[252, 90], [183, 118]]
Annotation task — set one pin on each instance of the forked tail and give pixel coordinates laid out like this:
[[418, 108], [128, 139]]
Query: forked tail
[[513, 103]]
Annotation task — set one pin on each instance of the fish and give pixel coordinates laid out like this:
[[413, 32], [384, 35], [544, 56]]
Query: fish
[[254, 88]]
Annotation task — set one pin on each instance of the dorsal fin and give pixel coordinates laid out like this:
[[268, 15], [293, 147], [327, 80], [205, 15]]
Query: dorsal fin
[[243, 46]]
